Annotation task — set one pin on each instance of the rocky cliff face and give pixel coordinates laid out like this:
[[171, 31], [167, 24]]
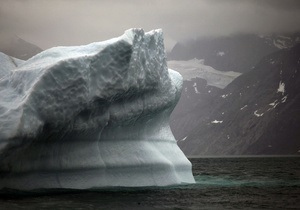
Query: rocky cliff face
[[258, 113]]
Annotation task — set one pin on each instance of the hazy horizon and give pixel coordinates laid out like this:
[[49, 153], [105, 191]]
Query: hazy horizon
[[66, 22]]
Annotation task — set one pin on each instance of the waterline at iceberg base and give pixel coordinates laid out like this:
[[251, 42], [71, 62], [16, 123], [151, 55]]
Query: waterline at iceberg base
[[91, 116]]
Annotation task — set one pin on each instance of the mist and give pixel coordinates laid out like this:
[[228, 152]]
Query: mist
[[75, 22]]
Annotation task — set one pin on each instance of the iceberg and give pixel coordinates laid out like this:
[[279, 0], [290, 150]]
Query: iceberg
[[91, 116]]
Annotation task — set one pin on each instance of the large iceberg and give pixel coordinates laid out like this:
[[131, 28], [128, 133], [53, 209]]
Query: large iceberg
[[91, 116]]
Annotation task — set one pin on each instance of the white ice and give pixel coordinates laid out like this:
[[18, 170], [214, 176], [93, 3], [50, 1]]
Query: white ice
[[195, 68], [92, 116]]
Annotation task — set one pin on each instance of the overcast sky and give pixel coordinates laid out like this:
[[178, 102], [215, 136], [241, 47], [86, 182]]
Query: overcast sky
[[48, 23]]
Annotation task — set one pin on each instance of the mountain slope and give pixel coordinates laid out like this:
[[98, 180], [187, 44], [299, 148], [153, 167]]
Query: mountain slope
[[258, 113], [16, 47], [201, 87], [235, 53], [193, 107]]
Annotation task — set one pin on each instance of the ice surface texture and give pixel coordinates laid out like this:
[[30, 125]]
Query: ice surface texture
[[92, 116]]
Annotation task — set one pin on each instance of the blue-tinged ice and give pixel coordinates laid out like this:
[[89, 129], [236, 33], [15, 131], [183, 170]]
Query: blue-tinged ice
[[91, 116]]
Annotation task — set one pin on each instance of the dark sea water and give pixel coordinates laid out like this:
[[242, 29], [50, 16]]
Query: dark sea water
[[221, 183]]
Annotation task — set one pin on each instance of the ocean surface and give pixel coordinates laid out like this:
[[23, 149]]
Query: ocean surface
[[221, 183]]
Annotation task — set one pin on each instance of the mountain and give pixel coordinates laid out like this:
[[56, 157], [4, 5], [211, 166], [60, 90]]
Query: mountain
[[201, 86], [14, 46], [234, 53], [258, 113], [193, 107]]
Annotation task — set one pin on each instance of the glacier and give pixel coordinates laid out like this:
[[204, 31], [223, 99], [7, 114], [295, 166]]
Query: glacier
[[91, 116], [195, 68]]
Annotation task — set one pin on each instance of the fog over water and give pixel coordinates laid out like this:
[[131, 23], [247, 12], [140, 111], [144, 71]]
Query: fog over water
[[73, 22]]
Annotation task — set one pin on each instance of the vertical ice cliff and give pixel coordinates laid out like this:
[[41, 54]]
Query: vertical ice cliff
[[92, 116]]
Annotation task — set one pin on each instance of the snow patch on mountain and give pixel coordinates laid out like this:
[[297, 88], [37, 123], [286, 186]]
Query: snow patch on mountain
[[226, 95], [195, 87], [243, 107], [257, 114], [281, 88], [217, 121], [274, 105], [283, 100], [221, 53], [183, 139], [283, 42]]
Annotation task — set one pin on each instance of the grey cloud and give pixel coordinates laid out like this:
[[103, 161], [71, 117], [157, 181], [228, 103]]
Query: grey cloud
[[275, 4], [72, 22]]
